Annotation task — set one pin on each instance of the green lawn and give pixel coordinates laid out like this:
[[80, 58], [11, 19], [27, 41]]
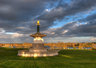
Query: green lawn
[[65, 59]]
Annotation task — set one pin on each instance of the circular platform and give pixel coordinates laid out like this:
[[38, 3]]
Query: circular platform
[[27, 53]]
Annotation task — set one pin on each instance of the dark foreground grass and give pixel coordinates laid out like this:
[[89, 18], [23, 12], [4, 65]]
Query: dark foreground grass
[[65, 59]]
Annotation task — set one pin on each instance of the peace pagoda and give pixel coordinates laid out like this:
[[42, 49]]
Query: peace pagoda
[[37, 49]]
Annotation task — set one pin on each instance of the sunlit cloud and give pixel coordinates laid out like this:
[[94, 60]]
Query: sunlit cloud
[[58, 19], [65, 31]]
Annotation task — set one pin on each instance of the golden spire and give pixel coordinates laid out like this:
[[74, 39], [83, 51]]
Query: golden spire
[[38, 22]]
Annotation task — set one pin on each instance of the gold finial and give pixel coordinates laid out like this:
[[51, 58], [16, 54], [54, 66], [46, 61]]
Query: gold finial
[[38, 23]]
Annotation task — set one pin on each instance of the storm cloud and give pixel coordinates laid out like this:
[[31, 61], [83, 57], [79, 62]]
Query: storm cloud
[[20, 16]]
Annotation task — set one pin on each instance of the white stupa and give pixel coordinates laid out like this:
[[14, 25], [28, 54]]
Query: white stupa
[[37, 49]]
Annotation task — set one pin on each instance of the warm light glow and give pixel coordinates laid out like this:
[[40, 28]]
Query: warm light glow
[[35, 55], [38, 38], [23, 54], [44, 55], [26, 55], [38, 23]]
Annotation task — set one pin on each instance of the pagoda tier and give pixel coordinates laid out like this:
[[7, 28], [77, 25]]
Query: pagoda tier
[[38, 34]]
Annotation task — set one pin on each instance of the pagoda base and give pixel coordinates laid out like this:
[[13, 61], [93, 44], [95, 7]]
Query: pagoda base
[[26, 53], [37, 50]]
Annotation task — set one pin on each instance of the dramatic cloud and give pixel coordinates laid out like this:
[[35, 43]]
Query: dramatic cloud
[[83, 30], [89, 18], [19, 17], [62, 10], [14, 13], [76, 29]]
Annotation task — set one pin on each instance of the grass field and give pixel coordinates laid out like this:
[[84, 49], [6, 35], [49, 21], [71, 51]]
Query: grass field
[[65, 59]]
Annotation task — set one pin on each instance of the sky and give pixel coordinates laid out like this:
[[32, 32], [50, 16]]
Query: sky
[[61, 20]]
